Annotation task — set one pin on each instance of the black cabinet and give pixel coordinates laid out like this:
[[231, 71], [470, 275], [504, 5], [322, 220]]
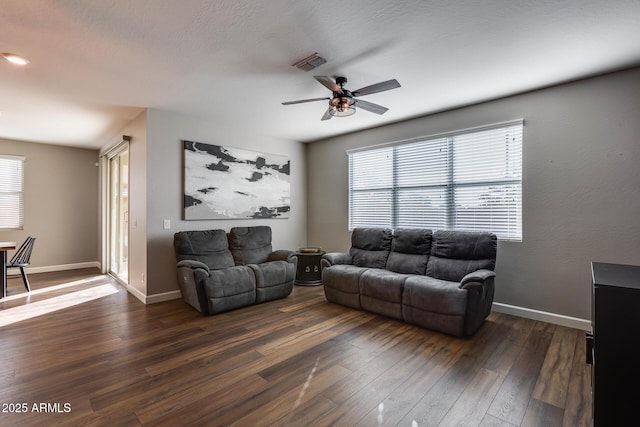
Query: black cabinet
[[309, 272], [615, 343]]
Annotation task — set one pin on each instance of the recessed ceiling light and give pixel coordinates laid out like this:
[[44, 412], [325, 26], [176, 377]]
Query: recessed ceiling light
[[15, 59]]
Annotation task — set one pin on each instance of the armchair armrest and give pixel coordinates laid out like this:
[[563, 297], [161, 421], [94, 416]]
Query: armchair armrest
[[476, 278], [334, 258], [190, 275], [193, 265], [480, 287], [283, 255]]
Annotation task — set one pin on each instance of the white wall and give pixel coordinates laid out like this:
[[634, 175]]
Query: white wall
[[61, 204], [581, 186], [165, 131]]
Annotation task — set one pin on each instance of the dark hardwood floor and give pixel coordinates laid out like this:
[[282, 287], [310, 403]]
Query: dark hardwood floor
[[81, 351]]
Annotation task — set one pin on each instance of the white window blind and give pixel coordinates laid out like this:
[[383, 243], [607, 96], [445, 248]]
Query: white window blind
[[11, 192], [468, 180]]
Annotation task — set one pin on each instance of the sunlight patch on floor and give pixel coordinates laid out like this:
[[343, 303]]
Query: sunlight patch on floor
[[29, 311], [26, 294]]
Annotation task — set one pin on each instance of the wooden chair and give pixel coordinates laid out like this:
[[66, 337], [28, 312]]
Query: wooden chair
[[21, 259]]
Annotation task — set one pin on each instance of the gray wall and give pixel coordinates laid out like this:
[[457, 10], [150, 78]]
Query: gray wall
[[61, 203], [165, 131], [581, 186]]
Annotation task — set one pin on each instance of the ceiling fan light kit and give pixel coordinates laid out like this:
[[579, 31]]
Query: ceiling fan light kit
[[343, 102], [341, 106]]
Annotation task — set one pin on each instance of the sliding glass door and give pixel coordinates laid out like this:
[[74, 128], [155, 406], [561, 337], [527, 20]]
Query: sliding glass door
[[119, 213]]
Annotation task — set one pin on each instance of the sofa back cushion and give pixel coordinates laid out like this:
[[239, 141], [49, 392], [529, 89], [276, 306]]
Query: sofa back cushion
[[454, 254], [410, 249], [207, 246], [250, 245], [370, 247]]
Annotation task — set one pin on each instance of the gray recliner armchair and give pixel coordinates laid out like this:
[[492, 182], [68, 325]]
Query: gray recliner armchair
[[219, 272]]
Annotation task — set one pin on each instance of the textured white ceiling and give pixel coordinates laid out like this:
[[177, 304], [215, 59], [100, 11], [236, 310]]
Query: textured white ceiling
[[95, 64]]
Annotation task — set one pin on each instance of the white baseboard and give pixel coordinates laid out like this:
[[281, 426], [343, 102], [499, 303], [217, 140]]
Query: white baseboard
[[152, 299], [149, 299], [61, 267], [556, 319], [166, 296], [136, 293]]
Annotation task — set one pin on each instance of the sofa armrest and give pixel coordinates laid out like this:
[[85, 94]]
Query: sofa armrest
[[283, 255], [476, 278], [190, 275], [193, 265], [335, 258], [480, 287]]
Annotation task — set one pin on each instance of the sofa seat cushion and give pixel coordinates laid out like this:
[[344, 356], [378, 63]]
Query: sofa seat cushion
[[229, 288], [434, 304], [381, 292], [340, 283], [273, 273], [274, 280]]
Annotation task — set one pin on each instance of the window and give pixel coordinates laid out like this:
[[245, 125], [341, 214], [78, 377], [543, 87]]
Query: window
[[11, 192], [468, 180]]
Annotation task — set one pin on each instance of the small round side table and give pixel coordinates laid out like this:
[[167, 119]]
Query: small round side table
[[308, 272]]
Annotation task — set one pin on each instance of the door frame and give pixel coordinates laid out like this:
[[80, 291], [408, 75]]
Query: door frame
[[106, 205]]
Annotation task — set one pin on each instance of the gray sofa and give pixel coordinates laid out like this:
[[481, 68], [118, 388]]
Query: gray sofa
[[218, 272], [441, 280]]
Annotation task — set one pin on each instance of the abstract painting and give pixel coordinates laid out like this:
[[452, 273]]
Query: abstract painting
[[222, 182]]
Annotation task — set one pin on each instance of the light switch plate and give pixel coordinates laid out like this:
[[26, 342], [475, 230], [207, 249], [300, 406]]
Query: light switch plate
[[166, 224]]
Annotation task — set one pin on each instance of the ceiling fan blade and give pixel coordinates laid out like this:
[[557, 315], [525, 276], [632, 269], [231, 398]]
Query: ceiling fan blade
[[378, 87], [326, 115], [328, 83], [304, 100], [370, 106]]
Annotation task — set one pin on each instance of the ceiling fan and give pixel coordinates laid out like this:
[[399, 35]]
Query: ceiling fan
[[343, 102]]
